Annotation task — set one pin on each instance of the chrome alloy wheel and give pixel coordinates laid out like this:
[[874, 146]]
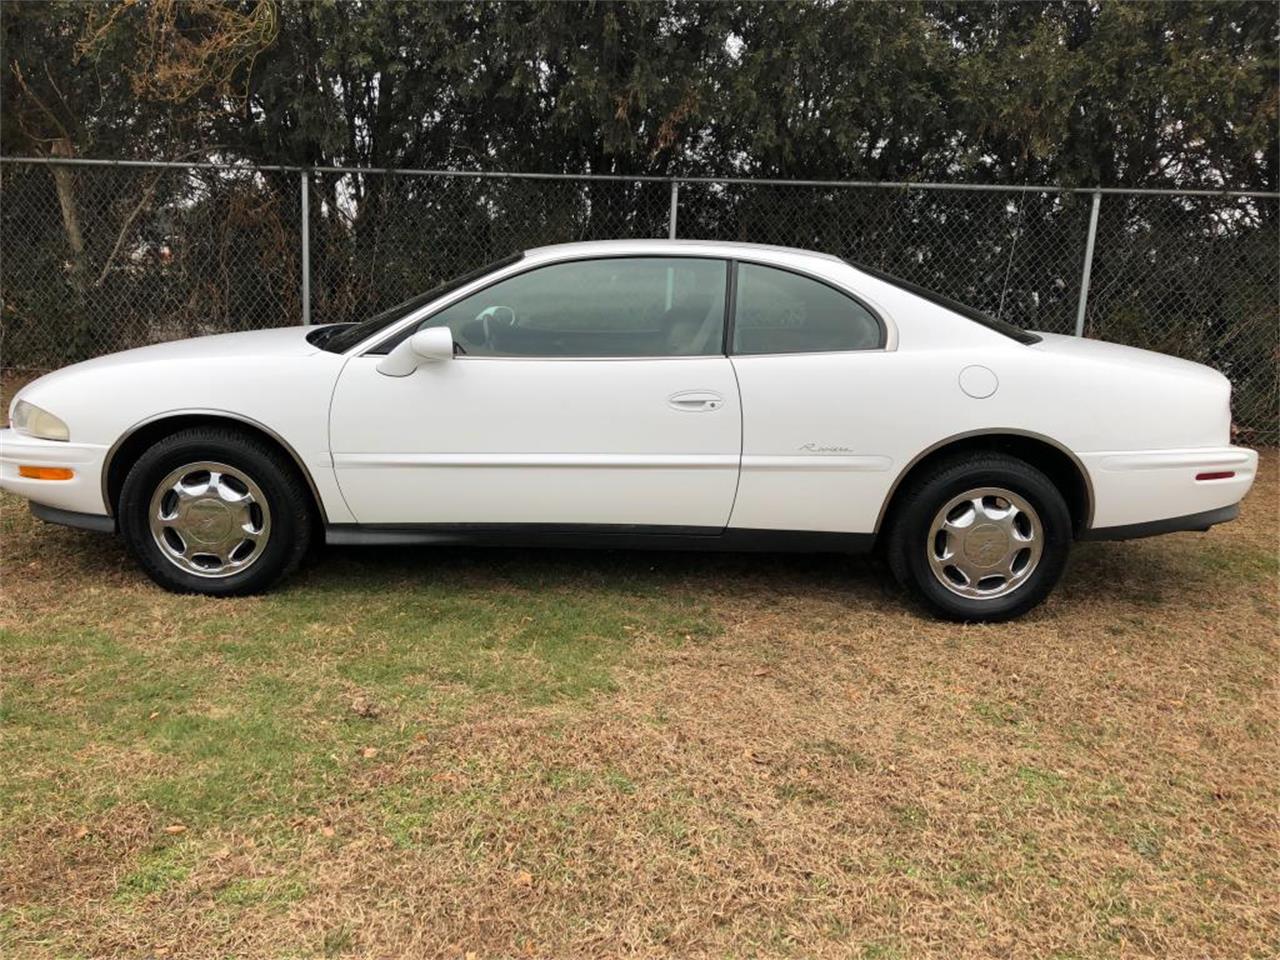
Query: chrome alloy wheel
[[210, 519], [985, 543]]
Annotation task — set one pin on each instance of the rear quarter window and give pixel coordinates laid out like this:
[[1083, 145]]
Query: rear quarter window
[[777, 311]]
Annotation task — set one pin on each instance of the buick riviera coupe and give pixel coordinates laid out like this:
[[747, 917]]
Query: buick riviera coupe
[[668, 394]]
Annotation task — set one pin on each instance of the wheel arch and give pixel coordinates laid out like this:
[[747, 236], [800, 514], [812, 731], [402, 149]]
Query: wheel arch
[[131, 444], [1058, 463]]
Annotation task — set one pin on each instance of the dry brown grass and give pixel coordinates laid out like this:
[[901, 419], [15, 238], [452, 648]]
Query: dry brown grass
[[754, 756]]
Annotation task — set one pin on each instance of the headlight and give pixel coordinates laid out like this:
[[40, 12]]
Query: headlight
[[31, 420]]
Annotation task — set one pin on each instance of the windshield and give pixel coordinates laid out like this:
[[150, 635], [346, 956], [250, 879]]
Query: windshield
[[955, 306], [342, 337]]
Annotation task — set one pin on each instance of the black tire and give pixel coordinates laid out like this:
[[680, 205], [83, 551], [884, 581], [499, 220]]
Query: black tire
[[277, 477], [910, 534]]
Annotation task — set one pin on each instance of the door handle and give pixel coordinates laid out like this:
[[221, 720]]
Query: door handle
[[695, 401]]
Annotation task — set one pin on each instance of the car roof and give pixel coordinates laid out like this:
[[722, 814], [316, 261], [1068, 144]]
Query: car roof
[[725, 248]]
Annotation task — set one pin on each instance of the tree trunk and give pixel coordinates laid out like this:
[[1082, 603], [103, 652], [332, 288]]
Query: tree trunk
[[64, 183]]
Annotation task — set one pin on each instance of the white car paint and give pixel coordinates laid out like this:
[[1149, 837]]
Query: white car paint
[[801, 442], [493, 440], [273, 379]]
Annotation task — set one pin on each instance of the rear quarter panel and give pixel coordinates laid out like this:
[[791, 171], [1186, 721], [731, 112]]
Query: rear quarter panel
[[827, 437]]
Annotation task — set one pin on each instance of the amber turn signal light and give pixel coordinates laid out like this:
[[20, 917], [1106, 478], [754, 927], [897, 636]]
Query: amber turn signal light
[[46, 473]]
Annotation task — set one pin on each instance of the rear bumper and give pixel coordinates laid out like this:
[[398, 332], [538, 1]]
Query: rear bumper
[[1141, 493], [81, 494], [1152, 528]]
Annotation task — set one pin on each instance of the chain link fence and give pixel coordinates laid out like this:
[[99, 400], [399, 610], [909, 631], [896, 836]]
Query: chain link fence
[[97, 257]]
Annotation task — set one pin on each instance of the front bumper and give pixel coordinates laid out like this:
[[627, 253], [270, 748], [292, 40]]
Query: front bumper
[[69, 518], [1143, 492], [81, 494]]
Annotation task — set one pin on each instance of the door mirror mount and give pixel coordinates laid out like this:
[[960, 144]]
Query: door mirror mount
[[425, 346]]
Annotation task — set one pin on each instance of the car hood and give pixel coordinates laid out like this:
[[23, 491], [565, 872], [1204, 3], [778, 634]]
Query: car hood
[[276, 342], [252, 346]]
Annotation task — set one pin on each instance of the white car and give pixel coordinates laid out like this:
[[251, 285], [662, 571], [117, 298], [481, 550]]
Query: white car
[[667, 394]]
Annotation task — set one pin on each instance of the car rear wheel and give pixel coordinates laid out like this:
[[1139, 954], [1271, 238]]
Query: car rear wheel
[[215, 510], [980, 538]]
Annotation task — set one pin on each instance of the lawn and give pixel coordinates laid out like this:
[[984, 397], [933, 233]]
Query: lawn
[[515, 753]]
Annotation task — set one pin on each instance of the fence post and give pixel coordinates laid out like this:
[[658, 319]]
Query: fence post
[[1088, 262], [306, 248], [675, 203]]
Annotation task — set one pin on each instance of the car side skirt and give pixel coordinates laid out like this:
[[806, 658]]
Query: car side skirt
[[1152, 528], [598, 536]]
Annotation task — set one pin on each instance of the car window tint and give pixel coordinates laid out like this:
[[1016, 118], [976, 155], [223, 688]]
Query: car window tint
[[342, 338], [616, 307], [782, 312]]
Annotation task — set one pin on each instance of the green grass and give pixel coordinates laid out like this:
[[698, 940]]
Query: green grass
[[156, 872], [239, 710], [239, 716], [260, 891]]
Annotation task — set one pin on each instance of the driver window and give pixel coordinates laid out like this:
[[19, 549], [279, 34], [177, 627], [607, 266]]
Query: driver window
[[617, 307]]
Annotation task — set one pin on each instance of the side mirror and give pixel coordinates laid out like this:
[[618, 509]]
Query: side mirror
[[425, 346]]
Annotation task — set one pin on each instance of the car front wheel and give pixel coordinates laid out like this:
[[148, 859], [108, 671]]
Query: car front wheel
[[980, 538], [215, 510]]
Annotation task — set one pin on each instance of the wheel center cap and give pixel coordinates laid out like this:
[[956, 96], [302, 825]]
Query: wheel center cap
[[208, 521], [986, 545]]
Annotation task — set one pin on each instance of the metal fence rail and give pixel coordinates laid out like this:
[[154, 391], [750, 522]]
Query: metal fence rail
[[98, 256]]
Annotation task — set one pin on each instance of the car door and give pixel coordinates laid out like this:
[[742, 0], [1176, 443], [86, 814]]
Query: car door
[[583, 393], [818, 396]]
